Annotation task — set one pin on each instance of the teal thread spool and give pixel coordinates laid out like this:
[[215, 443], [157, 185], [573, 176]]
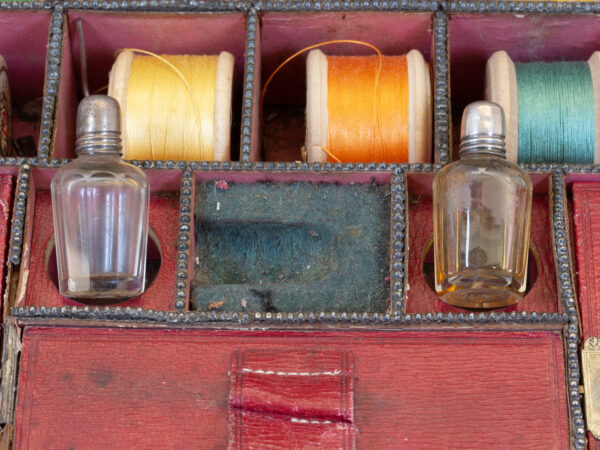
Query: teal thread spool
[[552, 109]]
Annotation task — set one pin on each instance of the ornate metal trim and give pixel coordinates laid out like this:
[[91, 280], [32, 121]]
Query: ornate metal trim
[[521, 7], [35, 5], [250, 63], [155, 5], [355, 5], [18, 220], [53, 64], [184, 239], [150, 316], [399, 243], [441, 81]]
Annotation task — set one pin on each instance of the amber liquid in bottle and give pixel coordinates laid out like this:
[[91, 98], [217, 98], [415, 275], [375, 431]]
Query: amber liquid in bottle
[[482, 210]]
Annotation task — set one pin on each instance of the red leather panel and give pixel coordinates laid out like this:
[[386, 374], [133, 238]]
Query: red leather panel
[[293, 399], [586, 218], [586, 221], [140, 388]]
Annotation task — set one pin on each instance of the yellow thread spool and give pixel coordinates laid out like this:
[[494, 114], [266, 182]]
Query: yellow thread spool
[[166, 116], [419, 108]]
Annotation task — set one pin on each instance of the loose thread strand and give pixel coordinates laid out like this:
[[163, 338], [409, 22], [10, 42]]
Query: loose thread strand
[[312, 47]]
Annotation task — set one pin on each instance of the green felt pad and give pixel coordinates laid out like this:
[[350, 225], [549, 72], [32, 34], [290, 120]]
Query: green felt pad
[[291, 247]]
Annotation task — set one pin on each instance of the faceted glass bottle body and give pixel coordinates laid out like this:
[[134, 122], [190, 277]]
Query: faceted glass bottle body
[[481, 217], [100, 206]]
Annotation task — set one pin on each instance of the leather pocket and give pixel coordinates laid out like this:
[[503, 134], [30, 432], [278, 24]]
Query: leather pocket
[[294, 399]]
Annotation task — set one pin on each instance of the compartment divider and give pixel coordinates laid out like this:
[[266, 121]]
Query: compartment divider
[[399, 243], [250, 140], [442, 124], [54, 70], [185, 244]]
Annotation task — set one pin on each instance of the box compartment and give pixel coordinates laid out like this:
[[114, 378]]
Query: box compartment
[[291, 243], [541, 295], [160, 33], [23, 44], [473, 38], [38, 276], [283, 34]]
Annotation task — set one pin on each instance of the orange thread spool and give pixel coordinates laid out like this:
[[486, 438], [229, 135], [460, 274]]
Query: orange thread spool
[[368, 108], [368, 118], [357, 110]]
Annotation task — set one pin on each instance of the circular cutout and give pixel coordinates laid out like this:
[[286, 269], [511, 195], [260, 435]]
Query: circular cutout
[[153, 260], [428, 269]]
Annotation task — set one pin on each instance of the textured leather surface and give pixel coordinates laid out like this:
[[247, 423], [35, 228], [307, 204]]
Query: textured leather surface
[[293, 399], [586, 223], [140, 388], [254, 431]]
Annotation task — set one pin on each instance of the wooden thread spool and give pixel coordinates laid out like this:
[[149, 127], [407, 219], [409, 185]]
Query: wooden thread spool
[[419, 108], [501, 87], [119, 84]]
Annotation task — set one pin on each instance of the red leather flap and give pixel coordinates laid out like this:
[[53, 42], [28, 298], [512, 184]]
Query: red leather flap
[[292, 399], [309, 385], [163, 388]]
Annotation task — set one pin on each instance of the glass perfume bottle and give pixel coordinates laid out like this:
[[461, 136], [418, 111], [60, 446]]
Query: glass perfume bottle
[[100, 207], [481, 217]]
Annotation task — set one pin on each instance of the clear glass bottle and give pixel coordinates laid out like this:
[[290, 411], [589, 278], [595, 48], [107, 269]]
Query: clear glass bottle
[[481, 217], [100, 207]]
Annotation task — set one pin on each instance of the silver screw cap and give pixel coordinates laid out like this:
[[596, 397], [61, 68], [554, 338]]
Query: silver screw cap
[[98, 125], [483, 129]]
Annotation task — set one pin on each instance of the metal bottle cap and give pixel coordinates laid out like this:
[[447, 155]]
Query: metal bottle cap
[[98, 125], [483, 129]]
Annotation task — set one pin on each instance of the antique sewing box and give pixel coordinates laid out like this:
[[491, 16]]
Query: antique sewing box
[[369, 357]]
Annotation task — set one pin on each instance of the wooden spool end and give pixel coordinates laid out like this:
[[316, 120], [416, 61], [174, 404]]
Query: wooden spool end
[[222, 112], [594, 63], [419, 104], [501, 88], [5, 111], [118, 82], [419, 108], [317, 116]]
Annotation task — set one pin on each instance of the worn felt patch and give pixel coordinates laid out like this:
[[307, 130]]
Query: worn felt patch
[[291, 247]]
